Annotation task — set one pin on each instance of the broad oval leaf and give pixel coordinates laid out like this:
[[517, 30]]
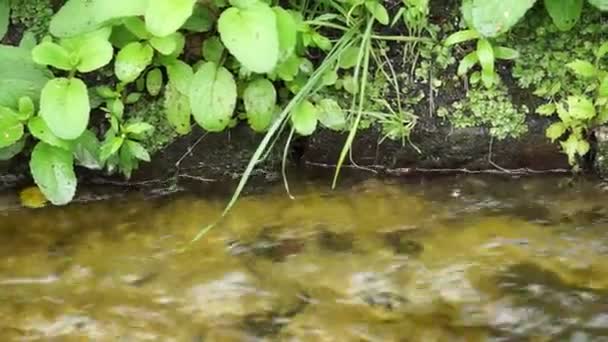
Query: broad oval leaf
[[138, 150], [93, 50], [494, 17], [11, 129], [81, 16], [213, 97], [55, 55], [378, 11], [166, 45], [164, 17], [9, 152], [41, 131], [260, 98], [53, 172], [64, 106], [132, 60], [304, 118], [565, 13], [251, 35], [331, 115]]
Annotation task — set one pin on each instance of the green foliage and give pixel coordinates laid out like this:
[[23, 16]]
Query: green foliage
[[492, 108], [579, 113]]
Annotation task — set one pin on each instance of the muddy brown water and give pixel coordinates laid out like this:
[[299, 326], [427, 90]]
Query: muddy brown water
[[446, 259]]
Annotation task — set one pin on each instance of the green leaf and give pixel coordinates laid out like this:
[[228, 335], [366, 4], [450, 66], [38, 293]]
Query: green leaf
[[485, 53], [202, 19], [39, 129], [580, 107], [109, 147], [132, 60], [86, 151], [5, 11], [93, 50], [583, 68], [331, 115], [378, 11], [138, 151], [137, 27], [546, 109], [213, 97], [166, 45], [321, 41], [601, 4], [603, 89], [26, 108], [251, 35], [138, 128], [9, 152], [260, 98], [467, 63], [213, 49], [502, 52], [349, 57], [64, 106], [602, 51], [81, 16], [154, 81], [53, 172], [555, 131], [180, 75], [494, 17], [20, 76], [164, 17], [287, 30], [304, 118], [565, 13], [177, 109], [11, 129], [461, 36], [48, 53]]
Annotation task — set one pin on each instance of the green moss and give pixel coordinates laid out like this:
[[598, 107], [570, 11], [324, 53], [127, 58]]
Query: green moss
[[151, 110], [545, 51], [491, 108], [35, 15]]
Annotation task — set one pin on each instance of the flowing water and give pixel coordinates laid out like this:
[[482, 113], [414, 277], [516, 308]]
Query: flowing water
[[442, 259]]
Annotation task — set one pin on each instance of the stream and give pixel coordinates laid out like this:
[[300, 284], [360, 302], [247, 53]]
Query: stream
[[452, 258]]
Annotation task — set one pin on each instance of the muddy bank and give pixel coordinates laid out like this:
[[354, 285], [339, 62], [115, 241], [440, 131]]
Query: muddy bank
[[202, 157]]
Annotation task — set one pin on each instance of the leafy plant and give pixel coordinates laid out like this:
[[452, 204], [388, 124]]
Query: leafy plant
[[579, 113]]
